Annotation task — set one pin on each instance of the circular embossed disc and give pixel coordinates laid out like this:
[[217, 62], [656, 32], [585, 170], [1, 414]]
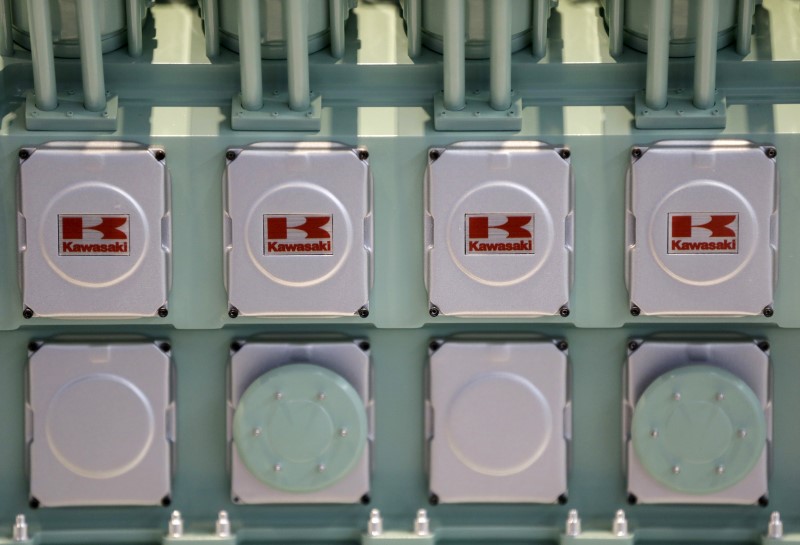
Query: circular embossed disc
[[699, 429], [300, 428]]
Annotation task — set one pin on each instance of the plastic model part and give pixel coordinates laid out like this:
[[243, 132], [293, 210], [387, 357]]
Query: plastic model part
[[697, 422], [300, 428], [499, 422], [702, 229], [94, 229], [698, 430], [300, 423], [298, 220], [498, 229], [100, 421]]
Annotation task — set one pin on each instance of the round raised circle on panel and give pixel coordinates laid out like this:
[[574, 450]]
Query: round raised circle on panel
[[300, 428], [698, 429]]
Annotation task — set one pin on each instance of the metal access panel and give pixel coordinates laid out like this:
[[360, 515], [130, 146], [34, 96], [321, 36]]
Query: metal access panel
[[100, 424], [698, 422], [498, 229], [498, 422], [94, 230], [702, 229], [295, 429], [298, 220]]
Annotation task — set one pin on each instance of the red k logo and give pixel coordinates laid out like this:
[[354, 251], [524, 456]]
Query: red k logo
[[703, 233], [718, 226], [298, 234], [93, 234], [514, 226], [278, 227], [109, 227], [499, 234]]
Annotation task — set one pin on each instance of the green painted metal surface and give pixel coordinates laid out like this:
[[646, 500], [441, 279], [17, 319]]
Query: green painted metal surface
[[300, 428], [686, 429], [376, 97]]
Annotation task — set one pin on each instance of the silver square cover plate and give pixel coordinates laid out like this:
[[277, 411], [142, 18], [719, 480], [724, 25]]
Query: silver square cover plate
[[498, 229], [653, 359], [702, 229], [498, 422], [100, 424], [298, 222], [94, 230], [254, 359]]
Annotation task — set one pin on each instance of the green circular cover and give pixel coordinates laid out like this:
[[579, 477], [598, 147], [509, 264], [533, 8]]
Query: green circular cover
[[300, 428], [698, 430]]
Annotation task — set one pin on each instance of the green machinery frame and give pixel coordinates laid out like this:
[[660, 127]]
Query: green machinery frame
[[577, 96]]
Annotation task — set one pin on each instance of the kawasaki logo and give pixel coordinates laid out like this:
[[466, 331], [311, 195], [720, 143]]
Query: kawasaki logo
[[298, 234], [93, 234], [703, 233], [499, 234]]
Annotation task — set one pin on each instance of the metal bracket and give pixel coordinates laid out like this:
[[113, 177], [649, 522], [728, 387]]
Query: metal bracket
[[276, 115], [597, 538], [199, 539], [70, 114], [788, 538], [680, 113], [398, 538], [477, 114]]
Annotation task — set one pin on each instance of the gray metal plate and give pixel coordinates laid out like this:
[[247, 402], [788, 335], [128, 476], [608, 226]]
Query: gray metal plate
[[529, 272], [498, 422], [702, 229], [270, 274], [653, 359], [100, 424], [112, 258], [254, 359]]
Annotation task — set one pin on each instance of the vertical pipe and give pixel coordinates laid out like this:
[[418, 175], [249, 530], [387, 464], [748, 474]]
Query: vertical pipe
[[414, 27], [541, 14], [615, 11], [211, 26], [658, 54], [90, 36], [337, 10], [744, 29], [454, 55], [250, 54], [44, 70], [6, 39], [705, 60], [500, 55], [295, 28], [134, 28]]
